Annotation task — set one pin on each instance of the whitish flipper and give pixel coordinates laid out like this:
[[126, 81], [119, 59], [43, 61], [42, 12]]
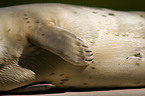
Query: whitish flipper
[[14, 76], [33, 88], [63, 43]]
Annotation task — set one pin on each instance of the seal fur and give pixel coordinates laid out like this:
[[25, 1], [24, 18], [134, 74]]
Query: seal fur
[[49, 43]]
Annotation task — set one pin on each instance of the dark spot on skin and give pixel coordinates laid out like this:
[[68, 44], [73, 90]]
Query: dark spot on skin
[[143, 38], [125, 35], [43, 34], [137, 55], [104, 15], [61, 74], [9, 30], [28, 22], [52, 74], [75, 12], [119, 64], [37, 22], [90, 77], [2, 66], [127, 57], [85, 83], [111, 14], [61, 82], [94, 12], [65, 79], [141, 16], [116, 35], [25, 14], [19, 40], [92, 67]]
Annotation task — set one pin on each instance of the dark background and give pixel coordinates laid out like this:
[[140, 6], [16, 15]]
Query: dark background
[[111, 4]]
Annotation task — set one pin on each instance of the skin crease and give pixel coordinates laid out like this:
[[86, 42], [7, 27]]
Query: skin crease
[[115, 38]]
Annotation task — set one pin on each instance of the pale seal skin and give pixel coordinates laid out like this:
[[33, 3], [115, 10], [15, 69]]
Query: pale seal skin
[[70, 46]]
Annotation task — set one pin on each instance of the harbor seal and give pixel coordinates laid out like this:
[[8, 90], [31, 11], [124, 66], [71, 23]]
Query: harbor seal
[[69, 46]]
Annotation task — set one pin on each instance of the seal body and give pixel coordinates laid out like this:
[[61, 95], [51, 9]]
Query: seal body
[[38, 43]]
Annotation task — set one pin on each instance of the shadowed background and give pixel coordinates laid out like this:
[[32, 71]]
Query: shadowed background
[[111, 4]]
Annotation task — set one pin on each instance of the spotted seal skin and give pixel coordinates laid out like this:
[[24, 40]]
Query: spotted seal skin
[[70, 46]]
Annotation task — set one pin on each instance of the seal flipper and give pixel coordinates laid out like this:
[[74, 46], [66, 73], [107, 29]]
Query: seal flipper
[[14, 76], [63, 43], [40, 87]]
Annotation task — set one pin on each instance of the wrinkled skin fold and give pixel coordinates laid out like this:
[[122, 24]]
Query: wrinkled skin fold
[[71, 46]]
